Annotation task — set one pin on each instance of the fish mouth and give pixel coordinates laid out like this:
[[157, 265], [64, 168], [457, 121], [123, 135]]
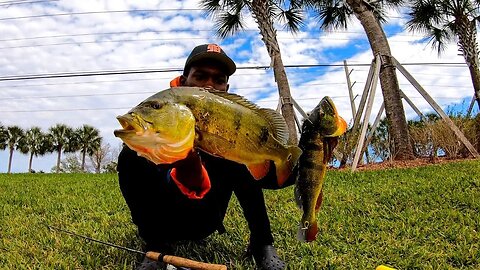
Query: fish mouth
[[340, 122], [337, 125], [330, 105], [130, 125]]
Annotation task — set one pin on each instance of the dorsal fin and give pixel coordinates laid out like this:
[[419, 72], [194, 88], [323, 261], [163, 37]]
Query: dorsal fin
[[238, 99], [276, 120]]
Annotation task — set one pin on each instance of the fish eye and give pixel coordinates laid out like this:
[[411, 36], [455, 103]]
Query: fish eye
[[155, 105]]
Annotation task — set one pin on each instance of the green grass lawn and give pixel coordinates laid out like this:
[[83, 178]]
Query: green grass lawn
[[418, 218]]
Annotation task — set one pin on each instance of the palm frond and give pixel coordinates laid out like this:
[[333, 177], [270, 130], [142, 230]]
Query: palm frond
[[332, 14], [439, 38], [293, 19], [423, 16], [228, 23], [211, 6], [227, 15], [394, 3]]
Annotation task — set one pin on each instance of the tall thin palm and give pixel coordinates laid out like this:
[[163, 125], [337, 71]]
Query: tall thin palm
[[33, 143], [443, 21], [228, 15], [335, 14], [88, 141], [61, 138], [14, 135], [3, 137]]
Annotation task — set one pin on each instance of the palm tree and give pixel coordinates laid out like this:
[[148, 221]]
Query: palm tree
[[443, 21], [229, 20], [35, 143], [3, 137], [61, 138], [89, 140], [14, 135], [335, 14]]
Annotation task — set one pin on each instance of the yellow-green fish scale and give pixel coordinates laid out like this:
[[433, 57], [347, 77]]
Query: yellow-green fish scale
[[228, 129]]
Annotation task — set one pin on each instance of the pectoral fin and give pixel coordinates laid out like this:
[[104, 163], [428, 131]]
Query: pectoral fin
[[260, 170]]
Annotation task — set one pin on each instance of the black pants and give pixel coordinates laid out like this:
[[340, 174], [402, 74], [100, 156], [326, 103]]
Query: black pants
[[163, 214]]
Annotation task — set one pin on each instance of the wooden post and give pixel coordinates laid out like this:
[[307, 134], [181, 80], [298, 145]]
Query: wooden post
[[361, 106], [437, 108], [350, 91], [299, 109], [419, 113], [374, 127], [371, 96], [470, 108]]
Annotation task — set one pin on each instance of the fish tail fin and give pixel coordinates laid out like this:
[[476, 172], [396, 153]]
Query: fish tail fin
[[308, 233], [285, 168]]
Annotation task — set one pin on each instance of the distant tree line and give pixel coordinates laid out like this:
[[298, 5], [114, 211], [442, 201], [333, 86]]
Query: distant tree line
[[60, 138], [430, 138]]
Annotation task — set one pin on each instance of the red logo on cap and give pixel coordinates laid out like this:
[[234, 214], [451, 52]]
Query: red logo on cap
[[214, 48]]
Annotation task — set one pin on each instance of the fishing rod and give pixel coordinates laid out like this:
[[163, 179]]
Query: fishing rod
[[156, 256]]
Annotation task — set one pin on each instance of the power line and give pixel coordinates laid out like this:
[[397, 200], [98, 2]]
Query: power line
[[143, 71], [180, 30], [79, 95], [67, 110], [146, 92], [85, 74], [128, 108], [182, 38], [105, 41], [109, 81], [100, 12], [234, 88], [15, 3], [110, 33], [169, 78]]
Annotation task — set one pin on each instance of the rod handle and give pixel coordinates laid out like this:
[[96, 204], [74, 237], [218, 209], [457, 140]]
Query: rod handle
[[183, 262]]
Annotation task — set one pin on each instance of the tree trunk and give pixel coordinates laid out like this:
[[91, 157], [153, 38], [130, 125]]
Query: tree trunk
[[83, 158], [475, 74], [59, 150], [467, 43], [388, 80], [98, 168], [30, 163], [269, 37], [10, 160]]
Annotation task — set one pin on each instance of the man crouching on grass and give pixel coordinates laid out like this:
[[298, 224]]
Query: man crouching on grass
[[190, 202]]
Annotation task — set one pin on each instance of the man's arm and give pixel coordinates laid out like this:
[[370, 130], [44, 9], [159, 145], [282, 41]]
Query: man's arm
[[190, 176]]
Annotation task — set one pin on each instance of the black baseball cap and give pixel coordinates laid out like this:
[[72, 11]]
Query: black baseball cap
[[210, 51]]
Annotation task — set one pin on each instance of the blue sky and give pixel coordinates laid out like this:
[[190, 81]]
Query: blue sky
[[95, 40]]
